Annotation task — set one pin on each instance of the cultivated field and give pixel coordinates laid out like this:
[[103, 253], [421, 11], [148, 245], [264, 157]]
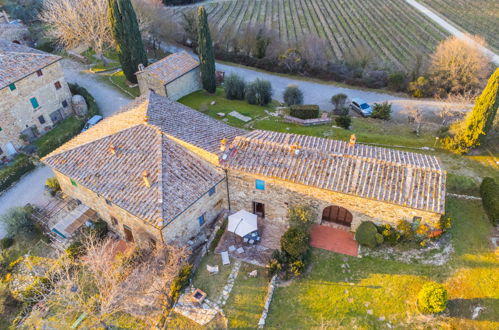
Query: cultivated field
[[479, 17], [394, 31]]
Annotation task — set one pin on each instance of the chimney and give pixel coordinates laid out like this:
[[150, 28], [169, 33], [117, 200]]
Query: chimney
[[223, 144], [146, 119], [145, 177], [112, 149], [141, 67], [295, 149], [353, 139]]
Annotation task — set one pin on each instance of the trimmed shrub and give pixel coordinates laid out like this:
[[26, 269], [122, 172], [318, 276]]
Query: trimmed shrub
[[339, 101], [382, 111], [53, 185], [6, 242], [489, 190], [293, 95], [343, 121], [259, 92], [295, 242], [234, 87], [432, 298], [308, 111], [12, 173], [397, 81], [218, 236], [367, 234]]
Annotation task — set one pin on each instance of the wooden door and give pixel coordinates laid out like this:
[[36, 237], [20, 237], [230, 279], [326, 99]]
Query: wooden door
[[259, 209]]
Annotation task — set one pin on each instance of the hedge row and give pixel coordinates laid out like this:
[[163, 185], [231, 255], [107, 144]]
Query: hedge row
[[308, 111], [489, 191], [10, 174]]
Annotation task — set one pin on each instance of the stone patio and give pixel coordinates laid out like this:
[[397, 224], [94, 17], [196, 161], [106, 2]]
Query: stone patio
[[257, 254], [333, 239]]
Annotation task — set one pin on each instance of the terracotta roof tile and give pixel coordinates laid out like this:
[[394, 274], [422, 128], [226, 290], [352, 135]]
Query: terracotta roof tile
[[399, 177], [18, 61], [171, 67]]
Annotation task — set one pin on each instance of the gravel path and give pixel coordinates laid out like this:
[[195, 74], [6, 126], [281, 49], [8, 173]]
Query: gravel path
[[451, 28], [31, 188], [320, 93]]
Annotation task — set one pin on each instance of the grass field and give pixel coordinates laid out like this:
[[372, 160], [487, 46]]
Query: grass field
[[381, 292], [479, 17], [392, 29]]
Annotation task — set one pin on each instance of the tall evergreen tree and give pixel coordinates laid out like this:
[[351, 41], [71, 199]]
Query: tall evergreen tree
[[205, 51], [468, 133], [126, 34]]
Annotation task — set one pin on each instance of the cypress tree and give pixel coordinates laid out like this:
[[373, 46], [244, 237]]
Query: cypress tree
[[126, 34], [479, 121], [205, 51]]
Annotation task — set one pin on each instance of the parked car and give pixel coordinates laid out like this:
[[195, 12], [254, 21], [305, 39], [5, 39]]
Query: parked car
[[361, 107], [91, 122]]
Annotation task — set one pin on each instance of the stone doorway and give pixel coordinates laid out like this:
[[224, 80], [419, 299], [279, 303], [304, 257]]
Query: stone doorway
[[337, 215], [128, 234], [259, 209]]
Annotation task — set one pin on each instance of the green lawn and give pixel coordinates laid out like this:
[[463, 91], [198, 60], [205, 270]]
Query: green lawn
[[211, 284], [63, 132], [385, 291]]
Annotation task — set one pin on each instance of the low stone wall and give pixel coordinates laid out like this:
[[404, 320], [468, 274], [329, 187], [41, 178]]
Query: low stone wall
[[307, 122], [268, 300]]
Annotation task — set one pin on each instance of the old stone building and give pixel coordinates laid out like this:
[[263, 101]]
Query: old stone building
[[159, 170], [174, 76], [133, 171], [33, 95]]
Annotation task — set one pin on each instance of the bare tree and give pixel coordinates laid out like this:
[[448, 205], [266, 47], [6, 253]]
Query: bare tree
[[76, 22], [108, 281], [415, 117], [458, 66], [314, 51]]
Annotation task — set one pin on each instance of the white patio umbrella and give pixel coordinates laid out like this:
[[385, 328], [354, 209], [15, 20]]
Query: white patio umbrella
[[242, 223]]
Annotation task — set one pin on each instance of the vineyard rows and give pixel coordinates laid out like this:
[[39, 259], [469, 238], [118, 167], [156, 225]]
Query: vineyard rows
[[479, 17], [394, 31]]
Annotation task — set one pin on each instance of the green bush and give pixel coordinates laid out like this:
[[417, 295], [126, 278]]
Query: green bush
[[308, 111], [53, 185], [75, 250], [338, 101], [218, 236], [406, 230], [18, 221], [489, 190], [180, 282], [397, 81], [259, 92], [301, 214], [295, 242], [60, 134], [6, 242], [234, 87], [293, 95], [93, 108], [432, 298], [343, 121], [99, 229], [367, 234], [12, 173], [382, 111]]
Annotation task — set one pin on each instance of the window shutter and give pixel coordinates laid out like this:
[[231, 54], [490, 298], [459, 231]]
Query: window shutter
[[12, 87], [34, 103], [260, 184]]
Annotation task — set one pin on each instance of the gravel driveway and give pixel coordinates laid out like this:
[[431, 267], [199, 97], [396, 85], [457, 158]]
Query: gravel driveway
[[31, 188]]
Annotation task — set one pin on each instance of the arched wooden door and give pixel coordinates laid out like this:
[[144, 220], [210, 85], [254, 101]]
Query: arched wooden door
[[337, 214]]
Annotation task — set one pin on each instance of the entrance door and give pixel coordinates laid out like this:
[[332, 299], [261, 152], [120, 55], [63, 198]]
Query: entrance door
[[259, 209], [128, 234], [337, 214]]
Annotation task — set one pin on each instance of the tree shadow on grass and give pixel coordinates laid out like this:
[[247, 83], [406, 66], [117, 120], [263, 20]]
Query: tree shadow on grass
[[464, 308]]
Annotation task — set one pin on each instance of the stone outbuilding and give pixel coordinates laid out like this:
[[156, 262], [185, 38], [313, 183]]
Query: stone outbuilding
[[158, 171], [34, 95], [174, 76]]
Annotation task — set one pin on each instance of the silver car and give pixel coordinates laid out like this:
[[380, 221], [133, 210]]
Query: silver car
[[361, 107]]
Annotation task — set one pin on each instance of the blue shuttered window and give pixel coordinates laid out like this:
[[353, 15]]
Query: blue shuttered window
[[260, 184], [34, 103]]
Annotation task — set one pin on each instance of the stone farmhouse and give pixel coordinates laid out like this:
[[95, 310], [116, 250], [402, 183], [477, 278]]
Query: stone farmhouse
[[33, 95], [174, 76], [159, 171]]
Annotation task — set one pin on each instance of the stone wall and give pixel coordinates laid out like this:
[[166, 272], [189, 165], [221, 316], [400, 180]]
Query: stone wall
[[186, 225], [279, 195], [143, 233], [17, 112], [184, 85], [148, 82]]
